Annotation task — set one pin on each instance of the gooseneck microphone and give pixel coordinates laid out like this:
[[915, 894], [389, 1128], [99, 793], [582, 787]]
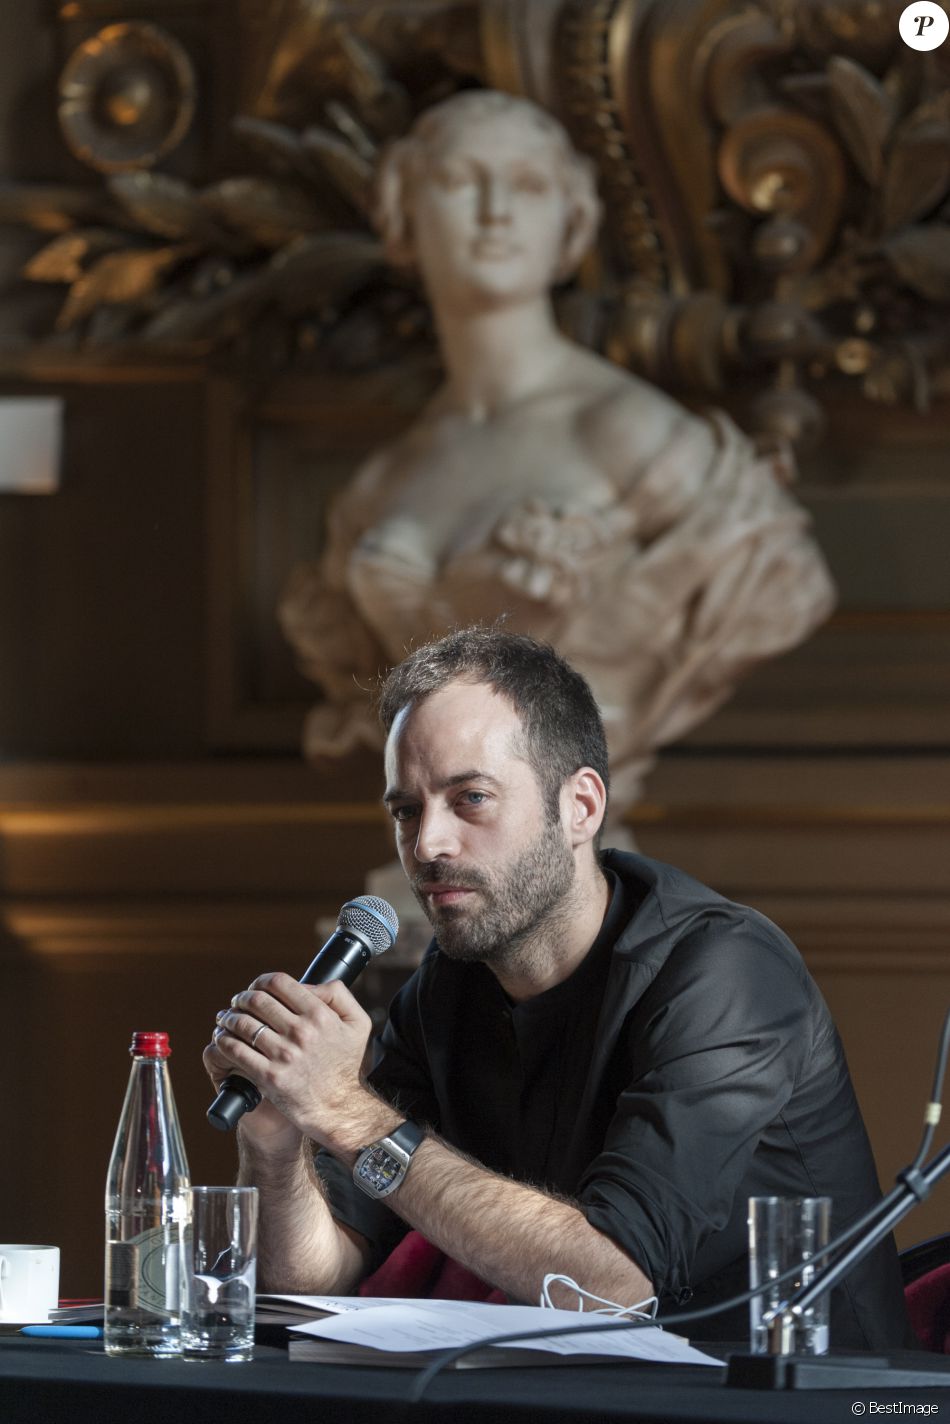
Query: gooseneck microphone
[[367, 926]]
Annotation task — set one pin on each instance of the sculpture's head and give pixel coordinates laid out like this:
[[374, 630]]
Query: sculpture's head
[[487, 194]]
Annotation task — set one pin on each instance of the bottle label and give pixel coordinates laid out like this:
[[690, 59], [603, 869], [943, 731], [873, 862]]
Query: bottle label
[[146, 1271]]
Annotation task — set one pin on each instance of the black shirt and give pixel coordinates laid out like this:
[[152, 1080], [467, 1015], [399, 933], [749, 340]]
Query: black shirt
[[687, 1064]]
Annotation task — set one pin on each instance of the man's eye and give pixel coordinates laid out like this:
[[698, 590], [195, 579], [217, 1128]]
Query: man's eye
[[403, 813], [474, 798]]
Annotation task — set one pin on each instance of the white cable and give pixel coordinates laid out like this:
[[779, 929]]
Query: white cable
[[642, 1310]]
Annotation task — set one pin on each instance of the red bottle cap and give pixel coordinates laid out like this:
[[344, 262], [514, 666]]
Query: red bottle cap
[[150, 1045]]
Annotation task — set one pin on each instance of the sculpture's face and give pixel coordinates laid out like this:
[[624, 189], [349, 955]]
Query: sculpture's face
[[489, 212]]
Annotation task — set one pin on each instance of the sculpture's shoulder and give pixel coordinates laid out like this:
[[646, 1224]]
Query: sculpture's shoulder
[[628, 423], [357, 503], [376, 469], [391, 460]]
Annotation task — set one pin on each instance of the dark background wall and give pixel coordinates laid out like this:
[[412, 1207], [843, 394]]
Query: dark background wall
[[102, 585]]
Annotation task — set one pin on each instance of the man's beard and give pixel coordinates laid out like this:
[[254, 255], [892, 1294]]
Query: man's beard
[[514, 906]]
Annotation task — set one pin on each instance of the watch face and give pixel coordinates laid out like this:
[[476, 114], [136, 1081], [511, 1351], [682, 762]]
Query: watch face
[[379, 1169]]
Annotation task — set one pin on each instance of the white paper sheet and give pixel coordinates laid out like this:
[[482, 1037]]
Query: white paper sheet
[[332, 1304], [444, 1324]]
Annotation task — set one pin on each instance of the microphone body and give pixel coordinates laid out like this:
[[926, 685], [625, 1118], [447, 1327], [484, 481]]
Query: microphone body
[[366, 927]]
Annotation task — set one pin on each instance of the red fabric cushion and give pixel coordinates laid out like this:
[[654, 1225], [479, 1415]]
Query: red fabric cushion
[[928, 1306], [418, 1269]]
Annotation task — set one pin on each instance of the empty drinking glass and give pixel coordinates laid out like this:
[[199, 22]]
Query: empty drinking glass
[[217, 1318]]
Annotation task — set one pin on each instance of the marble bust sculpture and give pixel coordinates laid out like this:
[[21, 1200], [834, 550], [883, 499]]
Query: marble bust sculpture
[[655, 548]]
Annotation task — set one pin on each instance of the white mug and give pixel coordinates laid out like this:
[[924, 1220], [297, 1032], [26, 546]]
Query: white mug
[[29, 1282]]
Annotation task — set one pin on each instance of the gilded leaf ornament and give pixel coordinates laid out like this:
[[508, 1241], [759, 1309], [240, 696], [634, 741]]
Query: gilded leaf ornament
[[773, 156]]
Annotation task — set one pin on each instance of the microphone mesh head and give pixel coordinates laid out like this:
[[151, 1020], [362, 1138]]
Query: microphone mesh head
[[374, 920]]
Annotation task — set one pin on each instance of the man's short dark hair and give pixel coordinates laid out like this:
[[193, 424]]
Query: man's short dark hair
[[560, 721]]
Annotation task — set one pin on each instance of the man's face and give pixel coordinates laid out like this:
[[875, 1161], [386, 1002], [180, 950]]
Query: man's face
[[489, 212], [486, 861]]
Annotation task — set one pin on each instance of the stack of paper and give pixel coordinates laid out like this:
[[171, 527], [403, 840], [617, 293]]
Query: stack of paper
[[412, 1332]]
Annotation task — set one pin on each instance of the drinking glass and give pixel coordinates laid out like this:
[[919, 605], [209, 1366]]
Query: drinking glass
[[217, 1318], [786, 1232]]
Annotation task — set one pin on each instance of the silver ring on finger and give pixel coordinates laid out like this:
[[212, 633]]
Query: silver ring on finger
[[257, 1034]]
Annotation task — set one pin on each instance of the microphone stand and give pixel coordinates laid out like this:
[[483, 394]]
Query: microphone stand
[[782, 1369]]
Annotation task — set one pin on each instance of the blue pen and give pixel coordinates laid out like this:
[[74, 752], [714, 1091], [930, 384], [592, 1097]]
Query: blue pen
[[63, 1332]]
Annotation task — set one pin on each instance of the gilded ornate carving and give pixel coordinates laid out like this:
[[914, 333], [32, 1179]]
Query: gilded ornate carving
[[593, 109], [775, 162], [126, 97], [776, 179], [824, 236], [520, 43]]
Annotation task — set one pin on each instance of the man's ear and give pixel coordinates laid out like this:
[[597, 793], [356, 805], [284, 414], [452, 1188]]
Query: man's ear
[[584, 799]]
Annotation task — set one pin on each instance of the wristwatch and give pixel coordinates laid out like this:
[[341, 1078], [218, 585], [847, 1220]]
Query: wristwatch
[[381, 1166]]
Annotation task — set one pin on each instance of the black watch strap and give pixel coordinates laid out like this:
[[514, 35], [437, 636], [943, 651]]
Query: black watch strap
[[407, 1135]]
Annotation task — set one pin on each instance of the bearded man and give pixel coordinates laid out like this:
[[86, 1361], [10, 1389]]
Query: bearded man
[[597, 1063]]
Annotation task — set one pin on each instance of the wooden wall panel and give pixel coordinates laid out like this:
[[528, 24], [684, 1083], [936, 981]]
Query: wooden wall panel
[[102, 584]]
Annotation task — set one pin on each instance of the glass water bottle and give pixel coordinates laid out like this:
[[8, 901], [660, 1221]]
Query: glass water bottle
[[147, 1211]]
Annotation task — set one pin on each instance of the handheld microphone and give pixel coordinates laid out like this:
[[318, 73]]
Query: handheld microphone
[[367, 926]]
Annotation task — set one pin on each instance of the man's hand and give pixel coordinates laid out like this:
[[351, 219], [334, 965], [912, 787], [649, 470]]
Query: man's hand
[[265, 1129], [303, 1046]]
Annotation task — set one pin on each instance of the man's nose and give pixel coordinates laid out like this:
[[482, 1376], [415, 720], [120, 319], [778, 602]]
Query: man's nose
[[494, 199], [436, 838]]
